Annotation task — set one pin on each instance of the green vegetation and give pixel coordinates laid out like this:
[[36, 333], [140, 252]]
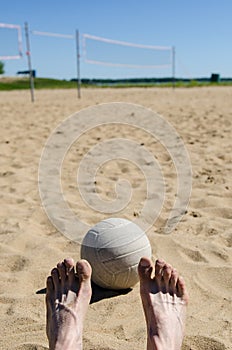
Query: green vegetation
[[40, 83], [46, 83], [2, 68]]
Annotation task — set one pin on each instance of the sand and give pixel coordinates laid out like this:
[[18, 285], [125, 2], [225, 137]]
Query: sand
[[199, 247]]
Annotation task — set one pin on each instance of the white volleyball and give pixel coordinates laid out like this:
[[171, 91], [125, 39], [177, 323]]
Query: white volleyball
[[113, 247]]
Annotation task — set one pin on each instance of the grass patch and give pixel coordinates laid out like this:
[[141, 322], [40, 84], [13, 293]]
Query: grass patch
[[8, 84], [39, 83]]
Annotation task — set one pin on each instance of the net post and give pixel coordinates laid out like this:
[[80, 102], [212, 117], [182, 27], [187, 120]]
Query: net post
[[78, 64], [173, 67], [29, 61]]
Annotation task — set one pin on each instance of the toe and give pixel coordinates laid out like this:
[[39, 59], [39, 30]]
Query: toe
[[50, 287], [181, 289], [167, 271], [173, 281], [62, 272], [70, 273], [159, 264], [56, 282], [69, 264], [84, 270], [50, 293], [145, 268]]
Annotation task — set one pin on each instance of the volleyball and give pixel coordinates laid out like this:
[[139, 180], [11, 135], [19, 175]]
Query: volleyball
[[114, 247]]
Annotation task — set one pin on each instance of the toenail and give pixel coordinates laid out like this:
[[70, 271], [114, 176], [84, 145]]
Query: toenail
[[69, 261], [79, 267], [160, 261], [144, 263]]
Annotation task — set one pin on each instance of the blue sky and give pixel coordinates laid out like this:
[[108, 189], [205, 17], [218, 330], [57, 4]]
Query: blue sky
[[200, 30]]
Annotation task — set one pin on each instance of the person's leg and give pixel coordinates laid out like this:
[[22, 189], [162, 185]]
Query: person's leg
[[67, 299], [164, 298]]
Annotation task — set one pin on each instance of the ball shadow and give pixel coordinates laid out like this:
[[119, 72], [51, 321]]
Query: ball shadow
[[98, 293]]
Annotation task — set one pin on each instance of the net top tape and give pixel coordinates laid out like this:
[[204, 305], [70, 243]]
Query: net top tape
[[124, 43], [10, 26], [58, 35]]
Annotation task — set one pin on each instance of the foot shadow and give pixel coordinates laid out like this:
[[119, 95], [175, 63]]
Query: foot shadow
[[99, 293]]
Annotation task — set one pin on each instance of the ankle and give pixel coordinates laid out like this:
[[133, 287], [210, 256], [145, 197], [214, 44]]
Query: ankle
[[68, 342], [67, 346], [155, 342]]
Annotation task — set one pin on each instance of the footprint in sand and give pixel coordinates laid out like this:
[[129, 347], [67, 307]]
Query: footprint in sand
[[19, 263], [202, 343], [228, 238], [14, 263], [215, 279], [194, 255], [220, 212], [30, 347]]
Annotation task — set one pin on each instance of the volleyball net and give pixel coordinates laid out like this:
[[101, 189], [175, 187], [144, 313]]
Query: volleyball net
[[94, 50], [116, 53], [127, 58], [11, 41]]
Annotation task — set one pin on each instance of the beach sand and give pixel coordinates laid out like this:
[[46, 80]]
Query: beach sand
[[199, 247]]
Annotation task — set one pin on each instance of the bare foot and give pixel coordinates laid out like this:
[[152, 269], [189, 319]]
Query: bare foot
[[67, 299], [164, 299]]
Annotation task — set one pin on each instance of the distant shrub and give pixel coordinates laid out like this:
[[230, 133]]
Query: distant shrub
[[2, 68]]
